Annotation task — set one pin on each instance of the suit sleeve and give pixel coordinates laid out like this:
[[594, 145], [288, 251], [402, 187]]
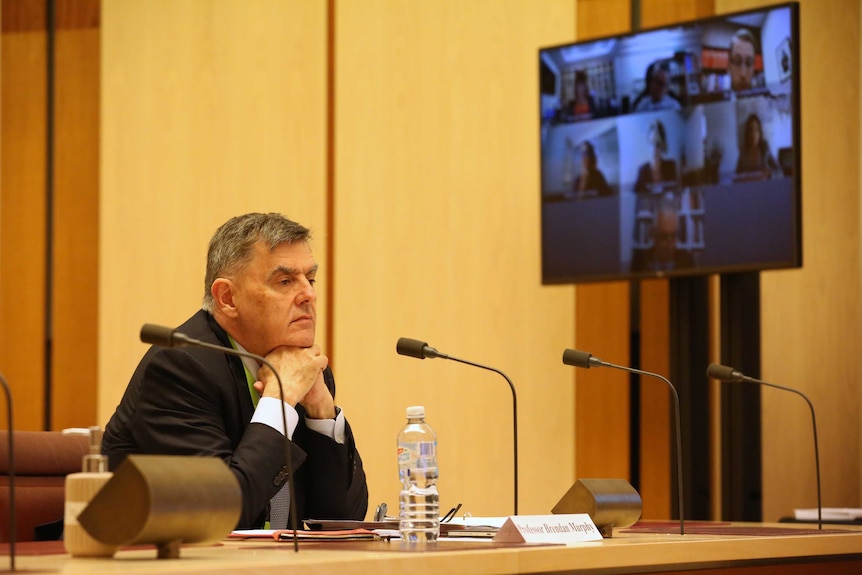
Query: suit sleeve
[[333, 479], [183, 408]]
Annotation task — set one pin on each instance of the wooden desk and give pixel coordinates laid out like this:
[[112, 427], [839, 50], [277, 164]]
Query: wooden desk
[[834, 553]]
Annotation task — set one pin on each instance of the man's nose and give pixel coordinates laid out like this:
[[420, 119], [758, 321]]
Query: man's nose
[[307, 292]]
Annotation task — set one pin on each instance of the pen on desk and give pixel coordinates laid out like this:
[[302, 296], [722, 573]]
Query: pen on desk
[[451, 514], [380, 512]]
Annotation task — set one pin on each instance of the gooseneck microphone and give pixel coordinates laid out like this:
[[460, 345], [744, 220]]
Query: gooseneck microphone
[[421, 350], [10, 463], [169, 337], [725, 373], [586, 360]]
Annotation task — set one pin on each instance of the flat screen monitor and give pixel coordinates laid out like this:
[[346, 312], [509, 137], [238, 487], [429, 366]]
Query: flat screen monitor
[[672, 151]]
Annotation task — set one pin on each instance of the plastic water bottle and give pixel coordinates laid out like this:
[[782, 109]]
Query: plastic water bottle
[[419, 509]]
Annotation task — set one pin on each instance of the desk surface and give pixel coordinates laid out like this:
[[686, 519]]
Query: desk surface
[[626, 552]]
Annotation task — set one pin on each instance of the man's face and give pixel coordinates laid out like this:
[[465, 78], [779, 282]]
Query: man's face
[[741, 64], [275, 299], [658, 85]]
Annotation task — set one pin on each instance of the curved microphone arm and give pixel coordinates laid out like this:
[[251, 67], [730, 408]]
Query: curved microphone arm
[[586, 360], [747, 379], [420, 350], [514, 413], [13, 535], [678, 434], [726, 373], [167, 337]]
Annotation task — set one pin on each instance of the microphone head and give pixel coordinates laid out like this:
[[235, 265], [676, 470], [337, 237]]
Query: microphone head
[[411, 347], [577, 358], [722, 372], [157, 335]]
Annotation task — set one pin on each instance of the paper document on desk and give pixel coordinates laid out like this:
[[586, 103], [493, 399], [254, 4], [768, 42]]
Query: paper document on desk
[[493, 522], [302, 535], [829, 514]]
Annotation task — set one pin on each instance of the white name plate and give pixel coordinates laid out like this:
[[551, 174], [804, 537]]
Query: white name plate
[[548, 529]]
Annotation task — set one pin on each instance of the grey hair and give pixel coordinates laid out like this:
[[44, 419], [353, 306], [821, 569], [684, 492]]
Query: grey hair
[[230, 248]]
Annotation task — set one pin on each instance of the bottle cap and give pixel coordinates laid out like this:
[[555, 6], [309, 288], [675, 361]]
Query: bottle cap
[[415, 411], [95, 462]]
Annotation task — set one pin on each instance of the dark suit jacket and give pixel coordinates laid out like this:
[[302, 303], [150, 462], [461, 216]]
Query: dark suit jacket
[[193, 401]]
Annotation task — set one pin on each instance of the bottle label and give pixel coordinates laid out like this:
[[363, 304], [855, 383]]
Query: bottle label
[[417, 455]]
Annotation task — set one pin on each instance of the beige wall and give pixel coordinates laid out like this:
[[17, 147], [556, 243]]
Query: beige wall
[[48, 330], [215, 107], [436, 238], [811, 316], [211, 108]]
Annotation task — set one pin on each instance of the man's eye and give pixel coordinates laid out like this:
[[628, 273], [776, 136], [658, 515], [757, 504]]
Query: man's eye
[[312, 281]]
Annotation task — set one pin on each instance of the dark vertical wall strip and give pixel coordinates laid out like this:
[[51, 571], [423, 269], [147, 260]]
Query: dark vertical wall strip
[[689, 353], [635, 384], [51, 29], [741, 430], [635, 340]]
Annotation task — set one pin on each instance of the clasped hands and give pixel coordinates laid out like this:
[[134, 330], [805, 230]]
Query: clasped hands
[[301, 371]]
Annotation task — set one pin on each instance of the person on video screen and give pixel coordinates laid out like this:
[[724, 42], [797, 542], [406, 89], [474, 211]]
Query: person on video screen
[[656, 94], [591, 181], [755, 159], [663, 255], [583, 106], [660, 172], [740, 61]]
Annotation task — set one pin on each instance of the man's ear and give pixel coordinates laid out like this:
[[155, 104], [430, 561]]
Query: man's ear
[[222, 292]]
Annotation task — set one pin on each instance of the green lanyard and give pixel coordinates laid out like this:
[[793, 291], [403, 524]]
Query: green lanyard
[[255, 396]]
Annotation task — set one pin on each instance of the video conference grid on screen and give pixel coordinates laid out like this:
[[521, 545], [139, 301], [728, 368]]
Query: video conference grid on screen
[[672, 151]]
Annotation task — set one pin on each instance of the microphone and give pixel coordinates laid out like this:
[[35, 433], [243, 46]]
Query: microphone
[[421, 350], [725, 373], [583, 359], [168, 337], [13, 535]]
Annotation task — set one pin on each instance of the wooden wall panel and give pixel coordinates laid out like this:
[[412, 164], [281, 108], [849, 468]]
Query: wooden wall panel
[[435, 147], [602, 324], [598, 18], [811, 317], [22, 210], [22, 222], [657, 465], [210, 108], [602, 412], [64, 337], [437, 237], [76, 217], [813, 354], [661, 12]]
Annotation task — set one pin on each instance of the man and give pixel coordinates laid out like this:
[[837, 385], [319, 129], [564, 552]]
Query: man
[[740, 60], [664, 255], [656, 94], [259, 297]]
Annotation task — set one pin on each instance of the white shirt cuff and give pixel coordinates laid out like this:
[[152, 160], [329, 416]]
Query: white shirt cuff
[[332, 428], [268, 413]]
